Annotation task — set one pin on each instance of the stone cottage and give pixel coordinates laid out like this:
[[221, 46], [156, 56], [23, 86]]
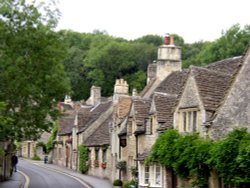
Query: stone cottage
[[211, 100]]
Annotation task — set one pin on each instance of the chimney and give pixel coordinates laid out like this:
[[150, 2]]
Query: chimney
[[167, 39], [169, 58], [67, 100], [151, 71], [134, 92], [120, 88], [95, 96]]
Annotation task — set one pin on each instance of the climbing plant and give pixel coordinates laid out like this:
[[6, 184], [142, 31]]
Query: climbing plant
[[190, 156], [50, 145], [83, 158], [231, 157]]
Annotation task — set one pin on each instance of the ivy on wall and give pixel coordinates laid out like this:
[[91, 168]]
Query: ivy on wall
[[190, 156], [83, 158], [49, 145]]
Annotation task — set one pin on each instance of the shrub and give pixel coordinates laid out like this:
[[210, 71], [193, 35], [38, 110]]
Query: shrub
[[117, 182], [83, 158], [36, 158]]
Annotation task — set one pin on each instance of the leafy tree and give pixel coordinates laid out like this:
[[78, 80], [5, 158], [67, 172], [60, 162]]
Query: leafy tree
[[32, 77], [150, 39]]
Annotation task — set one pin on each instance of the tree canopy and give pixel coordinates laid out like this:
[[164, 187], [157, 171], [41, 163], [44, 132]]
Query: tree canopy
[[32, 77]]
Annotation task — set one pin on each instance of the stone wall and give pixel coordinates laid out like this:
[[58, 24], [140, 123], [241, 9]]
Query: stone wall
[[235, 112]]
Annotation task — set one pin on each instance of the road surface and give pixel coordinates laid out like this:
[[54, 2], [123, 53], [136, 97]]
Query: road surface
[[30, 175]]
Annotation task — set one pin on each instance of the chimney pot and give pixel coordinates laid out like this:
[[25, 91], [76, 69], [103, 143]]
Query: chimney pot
[[167, 39]]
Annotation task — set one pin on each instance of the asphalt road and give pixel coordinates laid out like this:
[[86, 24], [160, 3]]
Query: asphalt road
[[39, 177]]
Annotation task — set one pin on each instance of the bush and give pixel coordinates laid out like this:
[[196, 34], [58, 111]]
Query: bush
[[117, 182], [36, 158], [126, 184]]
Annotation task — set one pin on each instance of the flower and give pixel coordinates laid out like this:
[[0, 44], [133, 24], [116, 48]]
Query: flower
[[103, 165]]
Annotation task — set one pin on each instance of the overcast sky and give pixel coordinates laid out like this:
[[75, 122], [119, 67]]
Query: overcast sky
[[194, 20]]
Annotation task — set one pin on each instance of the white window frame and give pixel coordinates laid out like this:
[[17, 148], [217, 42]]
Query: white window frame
[[189, 119], [152, 175]]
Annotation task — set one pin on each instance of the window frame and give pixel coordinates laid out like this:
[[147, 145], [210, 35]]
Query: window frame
[[189, 120]]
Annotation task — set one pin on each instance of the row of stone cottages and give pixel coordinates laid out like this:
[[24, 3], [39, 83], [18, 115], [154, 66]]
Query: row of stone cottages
[[211, 100]]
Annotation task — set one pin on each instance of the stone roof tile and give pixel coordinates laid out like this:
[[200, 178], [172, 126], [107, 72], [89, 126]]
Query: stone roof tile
[[101, 135]]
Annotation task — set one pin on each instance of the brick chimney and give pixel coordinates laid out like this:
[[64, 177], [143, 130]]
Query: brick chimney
[[169, 58], [120, 88], [95, 96]]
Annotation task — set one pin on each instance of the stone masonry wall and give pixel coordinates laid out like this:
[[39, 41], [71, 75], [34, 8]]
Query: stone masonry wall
[[235, 112]]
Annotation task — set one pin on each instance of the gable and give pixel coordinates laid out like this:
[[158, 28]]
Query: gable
[[235, 111], [190, 95]]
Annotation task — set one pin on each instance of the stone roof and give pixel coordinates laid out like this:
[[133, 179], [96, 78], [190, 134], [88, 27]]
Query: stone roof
[[141, 112], [212, 86], [66, 123], [228, 66], [101, 135], [164, 106], [86, 118], [122, 108], [148, 86], [173, 83]]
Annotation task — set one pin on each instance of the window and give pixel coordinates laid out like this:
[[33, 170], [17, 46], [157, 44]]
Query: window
[[189, 123], [97, 154], [157, 175], [150, 175], [146, 175], [104, 155], [184, 121]]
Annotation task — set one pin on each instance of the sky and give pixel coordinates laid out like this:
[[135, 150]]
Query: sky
[[193, 20]]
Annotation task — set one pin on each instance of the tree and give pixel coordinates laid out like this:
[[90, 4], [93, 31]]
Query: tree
[[32, 78]]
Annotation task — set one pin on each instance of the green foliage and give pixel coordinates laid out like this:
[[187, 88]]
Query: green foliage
[[5, 122], [230, 157], [184, 154], [32, 77], [83, 158], [232, 43], [164, 148], [117, 182], [50, 145], [36, 158], [191, 156]]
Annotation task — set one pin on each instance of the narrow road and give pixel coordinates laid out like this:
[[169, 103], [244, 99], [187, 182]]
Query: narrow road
[[40, 177]]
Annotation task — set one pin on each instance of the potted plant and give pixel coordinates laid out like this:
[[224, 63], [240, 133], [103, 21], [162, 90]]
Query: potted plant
[[117, 183]]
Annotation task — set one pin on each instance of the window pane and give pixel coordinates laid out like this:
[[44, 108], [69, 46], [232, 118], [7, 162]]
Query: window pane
[[189, 120], [158, 175], [146, 180], [194, 120], [184, 121]]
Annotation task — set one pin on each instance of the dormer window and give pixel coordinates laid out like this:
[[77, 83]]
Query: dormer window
[[189, 121]]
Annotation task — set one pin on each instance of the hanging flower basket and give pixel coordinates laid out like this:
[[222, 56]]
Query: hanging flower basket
[[103, 165], [121, 165]]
